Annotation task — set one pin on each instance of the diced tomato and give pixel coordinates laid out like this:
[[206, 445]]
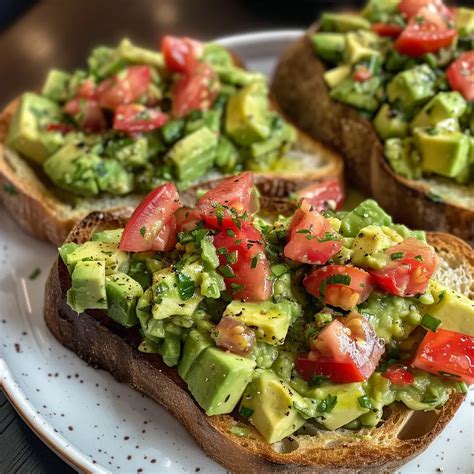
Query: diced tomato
[[237, 193], [87, 89], [59, 127], [234, 336], [152, 225], [399, 375], [138, 118], [244, 264], [186, 219], [427, 32], [181, 54], [387, 29], [87, 114], [461, 75], [447, 353], [323, 195], [195, 90], [124, 88], [343, 286], [412, 262], [343, 352], [362, 74], [410, 8], [311, 238]]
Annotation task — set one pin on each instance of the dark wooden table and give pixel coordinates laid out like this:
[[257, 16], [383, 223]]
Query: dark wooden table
[[60, 33]]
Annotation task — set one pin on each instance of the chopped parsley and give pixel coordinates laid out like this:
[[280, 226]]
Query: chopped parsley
[[326, 405], [328, 236], [254, 262], [246, 412], [142, 231], [316, 380], [34, 274], [10, 189], [186, 286], [397, 255], [230, 233], [337, 279], [226, 271]]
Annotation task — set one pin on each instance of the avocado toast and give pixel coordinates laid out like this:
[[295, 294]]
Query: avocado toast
[[231, 324], [401, 115], [102, 137]]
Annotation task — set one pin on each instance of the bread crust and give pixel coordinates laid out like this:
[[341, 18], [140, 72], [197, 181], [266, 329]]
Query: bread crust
[[103, 343], [28, 196], [298, 87]]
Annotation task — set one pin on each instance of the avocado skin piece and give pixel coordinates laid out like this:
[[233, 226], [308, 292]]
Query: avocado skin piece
[[246, 119], [329, 46], [194, 154], [442, 152], [56, 86], [122, 296], [389, 124], [444, 105], [455, 311], [270, 402], [412, 87], [366, 213], [87, 286], [25, 134], [217, 380], [342, 22], [196, 342], [358, 94]]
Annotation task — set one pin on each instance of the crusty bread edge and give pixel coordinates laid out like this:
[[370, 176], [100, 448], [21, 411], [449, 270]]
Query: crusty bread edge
[[299, 89], [96, 344]]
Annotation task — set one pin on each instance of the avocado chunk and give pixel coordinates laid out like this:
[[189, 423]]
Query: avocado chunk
[[129, 152], [268, 404], [26, 133], [246, 119], [358, 94], [196, 343], [455, 310], [270, 320], [335, 76], [217, 380], [114, 258], [329, 46], [343, 22], [56, 86], [389, 123], [366, 213], [444, 105], [87, 286], [412, 87], [347, 406], [194, 154], [217, 55], [369, 244], [113, 178], [442, 152], [108, 236], [464, 20], [361, 45], [167, 300], [134, 54], [122, 296], [379, 10], [403, 157]]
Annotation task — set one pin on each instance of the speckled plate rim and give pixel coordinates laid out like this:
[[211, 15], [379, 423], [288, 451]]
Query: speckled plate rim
[[55, 441]]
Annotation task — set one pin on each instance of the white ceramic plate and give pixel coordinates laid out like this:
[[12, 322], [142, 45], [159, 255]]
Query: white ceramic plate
[[97, 424]]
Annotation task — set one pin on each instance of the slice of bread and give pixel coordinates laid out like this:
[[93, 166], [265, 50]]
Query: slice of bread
[[298, 87], [103, 343], [49, 214]]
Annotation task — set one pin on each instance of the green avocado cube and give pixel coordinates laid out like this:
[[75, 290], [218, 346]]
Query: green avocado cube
[[343, 22], [108, 236], [56, 86], [444, 105], [196, 343], [113, 178], [217, 380], [412, 87], [26, 134], [366, 213], [464, 19], [329, 46], [389, 124], [270, 320], [379, 10], [336, 75], [64, 251], [247, 115], [361, 45], [268, 404], [194, 154], [403, 157], [104, 61], [87, 286], [129, 152], [122, 296], [442, 152], [361, 95], [134, 54]]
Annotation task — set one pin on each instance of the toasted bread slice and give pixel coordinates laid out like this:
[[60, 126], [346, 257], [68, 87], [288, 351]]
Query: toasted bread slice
[[49, 213], [103, 343], [298, 87]]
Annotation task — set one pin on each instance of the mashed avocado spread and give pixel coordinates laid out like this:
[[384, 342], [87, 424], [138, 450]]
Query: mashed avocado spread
[[272, 320], [134, 118], [412, 75]]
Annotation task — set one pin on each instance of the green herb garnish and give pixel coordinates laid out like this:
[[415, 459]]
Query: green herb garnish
[[326, 405], [246, 412], [142, 231], [226, 271], [365, 402], [430, 322], [186, 286], [397, 255], [34, 274]]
